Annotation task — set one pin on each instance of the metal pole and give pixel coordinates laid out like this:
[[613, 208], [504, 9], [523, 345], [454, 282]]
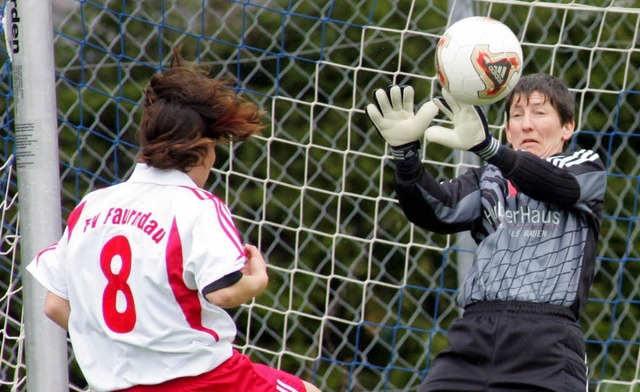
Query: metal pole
[[29, 37], [460, 9]]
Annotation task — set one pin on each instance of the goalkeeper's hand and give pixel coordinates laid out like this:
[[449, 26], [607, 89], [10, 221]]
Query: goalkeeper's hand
[[393, 116], [470, 130]]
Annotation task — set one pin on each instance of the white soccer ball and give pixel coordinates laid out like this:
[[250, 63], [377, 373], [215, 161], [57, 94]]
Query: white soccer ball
[[479, 60]]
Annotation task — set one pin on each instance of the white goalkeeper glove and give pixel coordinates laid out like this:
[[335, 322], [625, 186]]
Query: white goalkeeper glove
[[393, 116], [470, 130]]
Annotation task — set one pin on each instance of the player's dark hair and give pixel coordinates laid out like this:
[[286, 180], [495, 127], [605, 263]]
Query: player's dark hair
[[554, 89], [184, 110]]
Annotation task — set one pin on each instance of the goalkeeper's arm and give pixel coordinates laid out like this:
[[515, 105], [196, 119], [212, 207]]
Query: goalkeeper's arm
[[538, 178], [445, 208], [421, 197]]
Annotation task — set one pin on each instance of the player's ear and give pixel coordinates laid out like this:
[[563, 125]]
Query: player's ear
[[567, 130], [507, 131]]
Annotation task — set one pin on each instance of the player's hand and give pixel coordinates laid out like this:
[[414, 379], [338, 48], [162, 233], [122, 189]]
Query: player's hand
[[255, 264], [253, 282], [470, 130], [394, 118]]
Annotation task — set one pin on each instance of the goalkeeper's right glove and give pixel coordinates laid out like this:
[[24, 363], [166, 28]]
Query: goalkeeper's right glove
[[470, 130], [393, 117]]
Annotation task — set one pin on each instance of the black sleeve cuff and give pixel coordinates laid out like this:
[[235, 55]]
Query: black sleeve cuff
[[407, 160], [225, 281]]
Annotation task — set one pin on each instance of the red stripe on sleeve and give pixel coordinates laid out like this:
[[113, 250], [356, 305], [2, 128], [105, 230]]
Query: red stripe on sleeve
[[47, 249], [74, 217], [224, 218], [226, 223]]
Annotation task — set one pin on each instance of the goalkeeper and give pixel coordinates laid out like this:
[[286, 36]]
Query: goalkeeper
[[534, 213]]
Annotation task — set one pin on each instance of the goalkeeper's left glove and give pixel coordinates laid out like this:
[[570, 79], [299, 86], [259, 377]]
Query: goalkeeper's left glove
[[470, 130], [393, 117]]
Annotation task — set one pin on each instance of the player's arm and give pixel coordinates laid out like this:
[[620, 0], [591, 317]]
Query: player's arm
[[57, 309], [445, 208], [251, 282], [539, 178], [543, 180], [49, 269], [424, 201]]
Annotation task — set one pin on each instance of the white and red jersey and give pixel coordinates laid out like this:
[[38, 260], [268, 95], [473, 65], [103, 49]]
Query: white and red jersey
[[133, 262]]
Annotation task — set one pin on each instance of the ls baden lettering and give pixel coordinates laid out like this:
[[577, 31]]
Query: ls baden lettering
[[525, 221]]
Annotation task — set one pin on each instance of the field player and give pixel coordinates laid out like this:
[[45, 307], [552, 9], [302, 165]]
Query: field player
[[144, 269], [535, 215]]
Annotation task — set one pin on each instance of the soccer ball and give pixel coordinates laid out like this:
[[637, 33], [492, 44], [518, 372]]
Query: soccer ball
[[479, 60]]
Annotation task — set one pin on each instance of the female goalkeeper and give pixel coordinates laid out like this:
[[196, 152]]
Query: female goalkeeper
[[144, 269], [534, 213]]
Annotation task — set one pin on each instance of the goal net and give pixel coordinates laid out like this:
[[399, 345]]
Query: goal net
[[358, 299]]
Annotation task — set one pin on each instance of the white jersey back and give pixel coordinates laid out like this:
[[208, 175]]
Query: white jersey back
[[132, 262]]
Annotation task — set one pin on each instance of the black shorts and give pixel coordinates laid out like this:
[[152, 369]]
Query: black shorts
[[511, 346]]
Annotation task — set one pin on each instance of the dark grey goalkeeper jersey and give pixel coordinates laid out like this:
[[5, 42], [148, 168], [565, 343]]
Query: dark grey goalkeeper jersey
[[535, 221]]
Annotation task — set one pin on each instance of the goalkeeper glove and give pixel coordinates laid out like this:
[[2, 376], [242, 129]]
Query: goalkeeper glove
[[394, 119], [470, 130]]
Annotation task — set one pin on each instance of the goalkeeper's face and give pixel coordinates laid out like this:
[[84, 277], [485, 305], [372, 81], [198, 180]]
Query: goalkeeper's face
[[534, 125]]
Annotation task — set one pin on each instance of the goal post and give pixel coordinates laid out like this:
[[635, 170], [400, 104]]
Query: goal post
[[359, 299], [29, 36]]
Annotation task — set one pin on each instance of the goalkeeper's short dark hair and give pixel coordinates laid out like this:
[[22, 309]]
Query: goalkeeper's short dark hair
[[553, 88]]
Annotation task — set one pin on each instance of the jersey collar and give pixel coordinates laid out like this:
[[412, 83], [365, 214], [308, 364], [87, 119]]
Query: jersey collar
[[149, 174]]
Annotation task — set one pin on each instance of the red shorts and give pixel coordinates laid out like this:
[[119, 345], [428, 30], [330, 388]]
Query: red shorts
[[237, 373]]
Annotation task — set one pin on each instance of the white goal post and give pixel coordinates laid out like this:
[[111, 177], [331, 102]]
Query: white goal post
[[29, 37]]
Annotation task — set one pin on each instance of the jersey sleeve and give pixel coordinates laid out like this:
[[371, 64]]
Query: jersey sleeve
[[446, 207], [48, 269], [217, 252], [577, 180]]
